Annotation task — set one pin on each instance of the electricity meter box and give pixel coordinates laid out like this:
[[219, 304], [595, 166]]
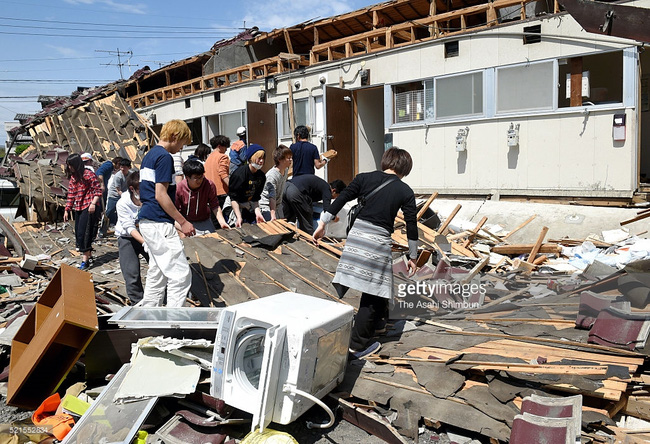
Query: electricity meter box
[[269, 348], [618, 128]]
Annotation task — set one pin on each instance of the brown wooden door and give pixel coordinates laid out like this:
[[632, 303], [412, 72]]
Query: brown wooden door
[[262, 129], [339, 133]]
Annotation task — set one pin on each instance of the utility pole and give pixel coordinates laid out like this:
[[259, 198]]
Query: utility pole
[[119, 55]]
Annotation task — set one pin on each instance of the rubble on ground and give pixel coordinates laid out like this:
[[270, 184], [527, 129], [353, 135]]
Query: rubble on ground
[[538, 324]]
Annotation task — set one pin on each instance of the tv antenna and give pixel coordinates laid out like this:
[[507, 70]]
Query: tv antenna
[[119, 55]]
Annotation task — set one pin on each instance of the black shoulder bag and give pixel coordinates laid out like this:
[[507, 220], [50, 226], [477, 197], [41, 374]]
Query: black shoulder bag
[[361, 202]]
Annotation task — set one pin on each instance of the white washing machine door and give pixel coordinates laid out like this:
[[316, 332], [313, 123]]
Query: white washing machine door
[[268, 377]]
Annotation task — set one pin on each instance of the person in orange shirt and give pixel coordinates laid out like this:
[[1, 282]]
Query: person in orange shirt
[[217, 166]]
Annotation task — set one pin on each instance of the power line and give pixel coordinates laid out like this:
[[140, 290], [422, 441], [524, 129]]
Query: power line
[[104, 11], [54, 81], [138, 31], [4, 71], [86, 57], [162, 36], [113, 24]]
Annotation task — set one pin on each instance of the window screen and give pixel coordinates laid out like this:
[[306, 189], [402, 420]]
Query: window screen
[[459, 95], [525, 87], [409, 102]]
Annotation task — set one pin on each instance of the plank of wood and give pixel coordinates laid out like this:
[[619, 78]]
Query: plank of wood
[[437, 324], [444, 227], [513, 348], [306, 236], [638, 406], [603, 393], [429, 237], [475, 230], [635, 219], [540, 260], [547, 369], [526, 248], [475, 270], [440, 354], [538, 244], [527, 320], [520, 226], [550, 341], [426, 205]]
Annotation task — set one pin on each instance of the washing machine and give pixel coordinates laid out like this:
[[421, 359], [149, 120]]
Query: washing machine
[[276, 356]]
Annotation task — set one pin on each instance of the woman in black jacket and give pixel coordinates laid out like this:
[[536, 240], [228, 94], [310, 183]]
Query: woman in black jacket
[[366, 262]]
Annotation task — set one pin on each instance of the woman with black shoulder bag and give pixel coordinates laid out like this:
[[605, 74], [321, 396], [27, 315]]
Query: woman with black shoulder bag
[[366, 262]]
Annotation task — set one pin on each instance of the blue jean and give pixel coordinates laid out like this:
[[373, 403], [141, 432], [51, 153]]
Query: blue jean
[[111, 209]]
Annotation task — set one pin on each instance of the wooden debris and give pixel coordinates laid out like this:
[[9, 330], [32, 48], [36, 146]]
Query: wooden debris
[[536, 247], [445, 226]]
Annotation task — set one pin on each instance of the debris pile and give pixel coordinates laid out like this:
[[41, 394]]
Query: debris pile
[[498, 339]]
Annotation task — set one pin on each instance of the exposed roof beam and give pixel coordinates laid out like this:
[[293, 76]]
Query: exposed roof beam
[[399, 14], [287, 40]]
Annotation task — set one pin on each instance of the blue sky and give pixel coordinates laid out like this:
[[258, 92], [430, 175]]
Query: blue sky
[[51, 47]]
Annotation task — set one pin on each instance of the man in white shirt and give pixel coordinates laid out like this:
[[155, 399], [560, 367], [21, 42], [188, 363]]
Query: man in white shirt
[[129, 240]]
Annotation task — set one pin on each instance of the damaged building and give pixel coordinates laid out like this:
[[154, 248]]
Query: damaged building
[[518, 89]]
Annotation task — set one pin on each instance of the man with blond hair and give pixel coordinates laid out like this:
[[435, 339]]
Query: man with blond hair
[[168, 266]]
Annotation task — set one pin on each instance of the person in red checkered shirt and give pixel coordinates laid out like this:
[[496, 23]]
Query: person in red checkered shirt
[[84, 194]]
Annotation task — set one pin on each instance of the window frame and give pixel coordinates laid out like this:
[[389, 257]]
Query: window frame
[[552, 85], [490, 91], [484, 96], [394, 101], [242, 118]]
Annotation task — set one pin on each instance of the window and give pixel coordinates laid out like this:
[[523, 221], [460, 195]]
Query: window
[[319, 117], [451, 49], [284, 128], [300, 115], [459, 96], [196, 129], [525, 87], [301, 111], [532, 34], [408, 102], [428, 99], [188, 103], [603, 83], [217, 96], [229, 122]]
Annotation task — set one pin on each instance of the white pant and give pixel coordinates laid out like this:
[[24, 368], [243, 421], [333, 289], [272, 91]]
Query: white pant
[[168, 266]]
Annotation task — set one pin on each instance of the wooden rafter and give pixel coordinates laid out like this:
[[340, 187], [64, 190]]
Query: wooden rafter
[[415, 11], [287, 39], [400, 15]]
